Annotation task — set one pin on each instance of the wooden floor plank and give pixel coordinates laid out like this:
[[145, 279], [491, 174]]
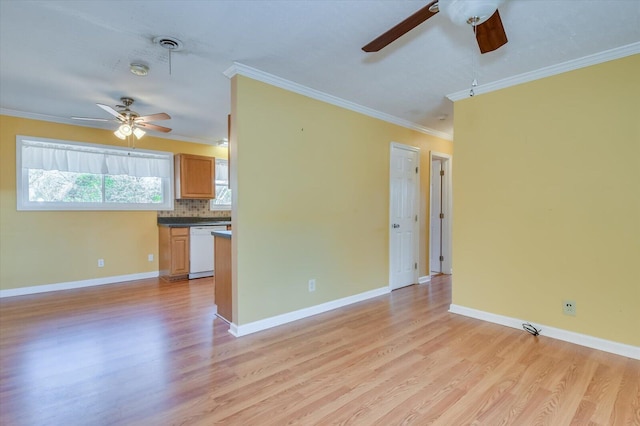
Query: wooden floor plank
[[149, 352]]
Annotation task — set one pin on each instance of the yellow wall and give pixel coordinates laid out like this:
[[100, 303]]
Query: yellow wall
[[547, 201], [312, 199], [49, 247]]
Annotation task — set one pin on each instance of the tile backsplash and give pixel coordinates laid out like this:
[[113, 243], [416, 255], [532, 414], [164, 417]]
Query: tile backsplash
[[192, 208]]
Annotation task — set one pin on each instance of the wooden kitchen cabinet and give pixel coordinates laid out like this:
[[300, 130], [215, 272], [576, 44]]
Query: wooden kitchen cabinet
[[195, 176], [174, 253]]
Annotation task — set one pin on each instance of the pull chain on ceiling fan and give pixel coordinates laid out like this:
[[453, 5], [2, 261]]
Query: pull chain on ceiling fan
[[474, 68]]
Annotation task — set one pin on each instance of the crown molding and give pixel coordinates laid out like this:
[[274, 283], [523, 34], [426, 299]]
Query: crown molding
[[256, 74], [41, 117], [96, 125], [597, 58]]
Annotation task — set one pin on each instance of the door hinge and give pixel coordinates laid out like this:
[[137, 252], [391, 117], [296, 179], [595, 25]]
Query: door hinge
[[416, 218], [416, 170], [441, 172], [441, 215], [415, 266], [441, 258]]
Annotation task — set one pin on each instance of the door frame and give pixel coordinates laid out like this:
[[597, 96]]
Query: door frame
[[416, 204], [447, 203]]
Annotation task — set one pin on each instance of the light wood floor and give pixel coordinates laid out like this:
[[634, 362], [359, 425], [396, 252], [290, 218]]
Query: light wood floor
[[151, 353]]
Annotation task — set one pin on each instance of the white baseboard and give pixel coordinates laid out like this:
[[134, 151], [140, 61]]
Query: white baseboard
[[233, 329], [424, 280], [555, 333], [253, 327], [22, 291]]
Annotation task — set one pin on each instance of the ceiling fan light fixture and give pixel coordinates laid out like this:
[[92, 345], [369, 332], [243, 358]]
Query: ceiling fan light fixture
[[119, 134], [463, 12], [125, 129], [138, 132], [130, 121]]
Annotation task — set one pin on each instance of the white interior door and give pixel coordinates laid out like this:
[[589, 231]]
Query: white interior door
[[403, 236], [435, 231]]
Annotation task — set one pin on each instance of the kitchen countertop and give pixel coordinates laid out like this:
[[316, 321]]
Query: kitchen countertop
[[221, 234], [186, 222]]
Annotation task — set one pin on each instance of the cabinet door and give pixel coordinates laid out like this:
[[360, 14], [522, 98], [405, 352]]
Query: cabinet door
[[223, 289], [195, 176], [164, 250], [180, 255]]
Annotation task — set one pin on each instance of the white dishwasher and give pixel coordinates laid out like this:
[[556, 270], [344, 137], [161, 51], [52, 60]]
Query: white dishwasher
[[201, 250]]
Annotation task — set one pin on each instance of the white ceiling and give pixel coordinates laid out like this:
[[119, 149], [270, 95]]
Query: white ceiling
[[59, 58]]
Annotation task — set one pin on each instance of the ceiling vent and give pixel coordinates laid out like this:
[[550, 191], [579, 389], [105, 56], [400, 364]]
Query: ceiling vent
[[169, 43]]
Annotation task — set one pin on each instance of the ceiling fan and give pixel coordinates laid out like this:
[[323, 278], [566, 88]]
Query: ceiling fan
[[482, 15], [130, 121]]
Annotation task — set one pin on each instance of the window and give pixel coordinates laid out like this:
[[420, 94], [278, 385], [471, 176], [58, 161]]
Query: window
[[61, 175], [223, 193]]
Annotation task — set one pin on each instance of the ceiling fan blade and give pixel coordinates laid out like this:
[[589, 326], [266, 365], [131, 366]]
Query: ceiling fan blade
[[111, 111], [91, 119], [153, 117], [401, 29], [490, 34], [153, 127]]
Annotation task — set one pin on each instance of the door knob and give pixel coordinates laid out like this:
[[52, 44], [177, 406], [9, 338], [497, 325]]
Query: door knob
[[395, 225]]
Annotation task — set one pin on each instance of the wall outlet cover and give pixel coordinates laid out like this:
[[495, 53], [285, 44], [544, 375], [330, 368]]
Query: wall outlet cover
[[569, 307]]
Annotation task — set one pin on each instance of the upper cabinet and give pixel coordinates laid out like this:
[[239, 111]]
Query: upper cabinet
[[194, 175]]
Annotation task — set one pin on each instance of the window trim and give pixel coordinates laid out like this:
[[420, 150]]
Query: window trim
[[212, 204], [22, 181]]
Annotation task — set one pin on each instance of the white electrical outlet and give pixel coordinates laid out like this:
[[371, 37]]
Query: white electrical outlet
[[100, 263], [569, 307], [150, 258], [312, 285]]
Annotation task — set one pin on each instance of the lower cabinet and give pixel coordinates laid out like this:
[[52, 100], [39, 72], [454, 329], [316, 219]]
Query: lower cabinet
[[174, 253], [223, 289]]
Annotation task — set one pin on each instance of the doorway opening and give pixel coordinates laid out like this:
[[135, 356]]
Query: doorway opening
[[440, 216]]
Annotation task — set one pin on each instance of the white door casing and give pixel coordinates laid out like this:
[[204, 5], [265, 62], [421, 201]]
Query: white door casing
[[435, 229], [446, 196], [403, 214]]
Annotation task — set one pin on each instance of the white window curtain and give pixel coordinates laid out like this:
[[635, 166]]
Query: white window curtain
[[96, 160], [49, 176]]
